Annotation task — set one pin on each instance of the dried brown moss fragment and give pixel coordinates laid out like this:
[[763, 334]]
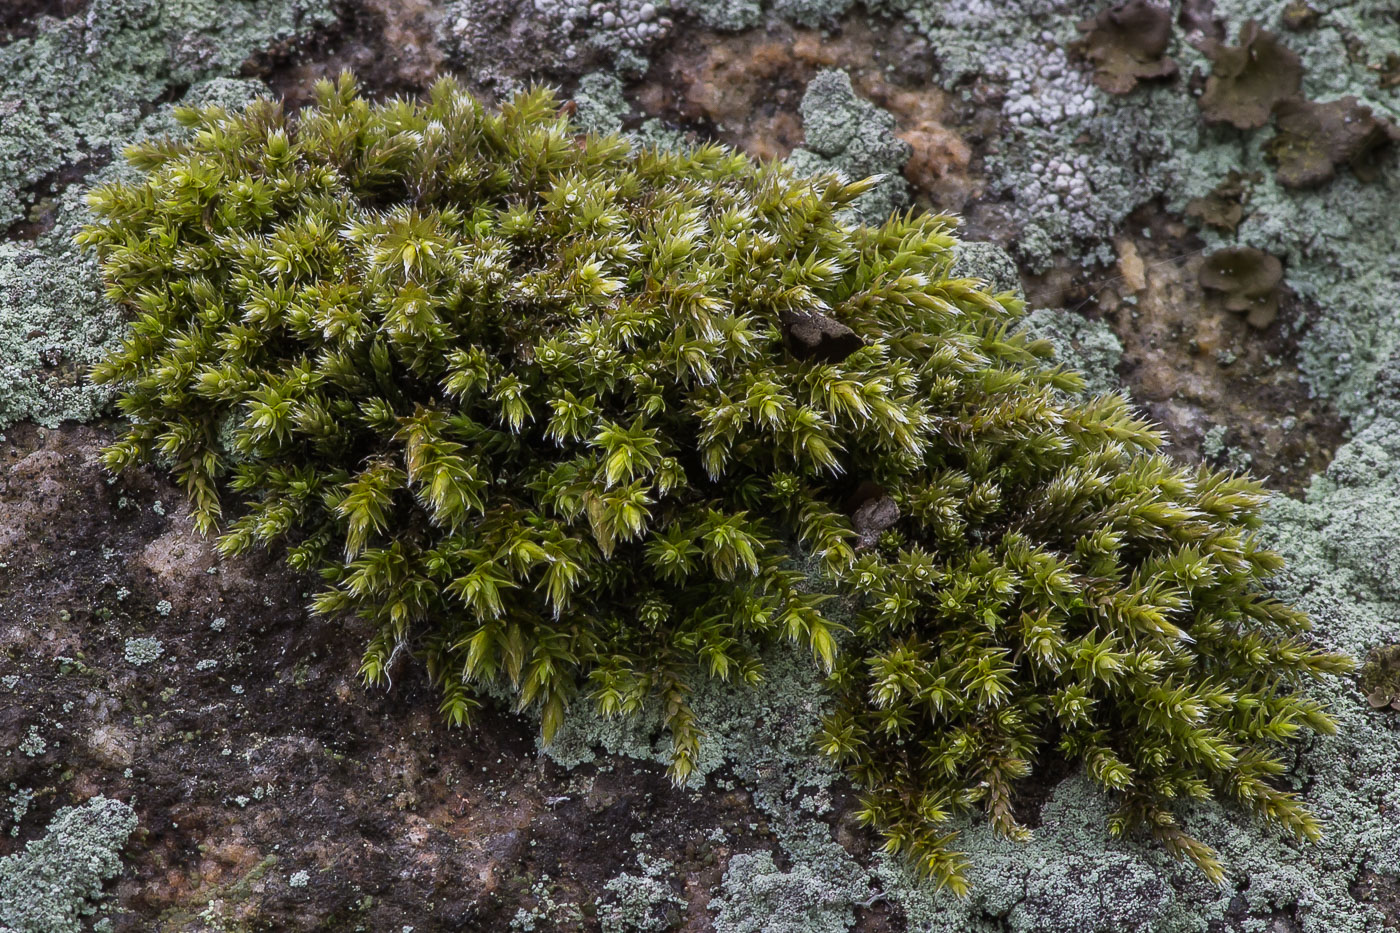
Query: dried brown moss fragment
[[1248, 79], [1314, 139], [1127, 43], [1248, 279]]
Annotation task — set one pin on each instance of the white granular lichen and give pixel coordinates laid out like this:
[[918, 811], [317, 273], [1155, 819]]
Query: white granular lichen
[[140, 651], [33, 743]]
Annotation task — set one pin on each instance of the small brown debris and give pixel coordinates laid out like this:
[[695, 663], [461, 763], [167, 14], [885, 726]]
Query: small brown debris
[[872, 511], [1248, 279], [1389, 72], [1130, 265], [1127, 43], [1314, 138], [1248, 79]]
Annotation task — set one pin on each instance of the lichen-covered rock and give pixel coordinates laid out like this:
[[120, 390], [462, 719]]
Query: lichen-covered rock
[[847, 133], [75, 90], [472, 839], [1089, 347], [600, 102]]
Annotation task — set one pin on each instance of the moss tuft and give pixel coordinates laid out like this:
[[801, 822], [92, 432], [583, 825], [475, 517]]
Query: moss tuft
[[557, 414]]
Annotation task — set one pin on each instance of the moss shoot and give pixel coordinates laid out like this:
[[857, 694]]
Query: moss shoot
[[589, 421]]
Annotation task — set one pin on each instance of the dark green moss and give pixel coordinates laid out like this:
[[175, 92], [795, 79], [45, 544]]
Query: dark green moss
[[551, 412]]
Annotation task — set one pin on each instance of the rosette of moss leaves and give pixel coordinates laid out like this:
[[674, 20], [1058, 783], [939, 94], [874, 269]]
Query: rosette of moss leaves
[[561, 413]]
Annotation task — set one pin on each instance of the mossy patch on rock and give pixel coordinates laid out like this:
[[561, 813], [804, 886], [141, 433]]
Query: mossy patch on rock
[[554, 413], [846, 133]]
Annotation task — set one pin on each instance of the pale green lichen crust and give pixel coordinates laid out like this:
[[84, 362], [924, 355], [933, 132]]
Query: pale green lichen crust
[[642, 902], [846, 133], [53, 884]]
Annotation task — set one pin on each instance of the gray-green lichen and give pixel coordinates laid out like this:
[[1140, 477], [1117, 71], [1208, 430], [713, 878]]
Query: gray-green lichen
[[601, 104], [80, 86], [986, 261], [51, 886], [54, 324], [478, 35], [54, 321], [1073, 161], [142, 651], [846, 133], [641, 903], [733, 15], [1088, 346], [726, 15]]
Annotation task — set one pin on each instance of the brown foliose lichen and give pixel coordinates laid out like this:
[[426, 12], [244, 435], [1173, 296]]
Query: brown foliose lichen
[[1248, 280], [1127, 43], [1248, 79], [1315, 139]]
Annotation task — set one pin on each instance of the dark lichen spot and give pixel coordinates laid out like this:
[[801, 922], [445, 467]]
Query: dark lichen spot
[[1298, 16], [1247, 279], [1127, 43], [1380, 678], [1315, 139], [1248, 79]]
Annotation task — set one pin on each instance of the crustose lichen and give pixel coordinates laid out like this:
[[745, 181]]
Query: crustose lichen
[[554, 411]]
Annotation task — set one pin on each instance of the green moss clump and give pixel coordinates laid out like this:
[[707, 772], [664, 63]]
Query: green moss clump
[[575, 418]]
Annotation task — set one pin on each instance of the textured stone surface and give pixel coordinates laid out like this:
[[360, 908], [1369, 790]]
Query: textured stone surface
[[271, 791]]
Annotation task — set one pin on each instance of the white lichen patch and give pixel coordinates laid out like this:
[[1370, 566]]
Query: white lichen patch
[[51, 885], [142, 651]]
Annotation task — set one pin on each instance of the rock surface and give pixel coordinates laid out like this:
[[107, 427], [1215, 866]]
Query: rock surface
[[183, 720]]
